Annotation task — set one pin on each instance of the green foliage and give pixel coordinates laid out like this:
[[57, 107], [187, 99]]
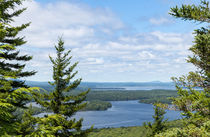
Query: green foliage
[[28, 122], [199, 13], [10, 123], [200, 58], [188, 131], [159, 124], [131, 95], [93, 105], [97, 105], [13, 93], [20, 112], [194, 104], [10, 41], [62, 104], [139, 131], [120, 132], [144, 96], [152, 100]]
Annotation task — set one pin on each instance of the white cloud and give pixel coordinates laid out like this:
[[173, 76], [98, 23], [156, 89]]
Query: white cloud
[[83, 29], [180, 60], [159, 21], [93, 61], [76, 22], [168, 37], [146, 55]]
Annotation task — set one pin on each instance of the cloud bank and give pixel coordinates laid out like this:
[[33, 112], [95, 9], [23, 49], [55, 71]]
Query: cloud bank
[[98, 40]]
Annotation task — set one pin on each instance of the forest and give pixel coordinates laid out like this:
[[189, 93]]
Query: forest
[[100, 100], [119, 94], [65, 98]]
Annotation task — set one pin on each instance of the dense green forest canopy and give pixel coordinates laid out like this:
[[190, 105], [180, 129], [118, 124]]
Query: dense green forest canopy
[[145, 96]]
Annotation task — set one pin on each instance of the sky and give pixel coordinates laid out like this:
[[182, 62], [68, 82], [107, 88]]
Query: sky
[[113, 40]]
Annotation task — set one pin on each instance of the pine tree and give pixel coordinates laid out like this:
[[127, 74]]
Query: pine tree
[[11, 96], [62, 103], [159, 125], [195, 104]]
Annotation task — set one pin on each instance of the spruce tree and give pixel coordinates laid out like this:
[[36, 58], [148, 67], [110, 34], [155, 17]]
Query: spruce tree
[[11, 62], [194, 103], [61, 101], [11, 69], [159, 125]]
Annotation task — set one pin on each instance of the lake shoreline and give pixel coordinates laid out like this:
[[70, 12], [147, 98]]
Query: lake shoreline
[[121, 114]]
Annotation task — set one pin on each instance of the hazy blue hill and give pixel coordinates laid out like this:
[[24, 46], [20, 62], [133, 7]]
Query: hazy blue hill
[[35, 83], [123, 84], [44, 85], [129, 85], [112, 85]]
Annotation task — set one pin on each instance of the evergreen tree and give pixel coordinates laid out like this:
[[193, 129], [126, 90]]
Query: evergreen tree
[[10, 96], [10, 58], [10, 55], [28, 123], [195, 104], [201, 49], [159, 125], [63, 104]]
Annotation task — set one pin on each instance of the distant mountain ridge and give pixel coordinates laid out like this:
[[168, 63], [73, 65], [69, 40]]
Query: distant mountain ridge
[[113, 85]]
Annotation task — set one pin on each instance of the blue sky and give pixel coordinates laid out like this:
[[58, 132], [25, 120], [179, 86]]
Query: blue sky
[[113, 40]]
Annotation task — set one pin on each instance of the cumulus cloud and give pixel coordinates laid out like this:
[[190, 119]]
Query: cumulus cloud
[[112, 58], [75, 22]]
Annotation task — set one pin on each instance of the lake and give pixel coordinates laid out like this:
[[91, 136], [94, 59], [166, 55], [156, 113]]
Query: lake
[[122, 114]]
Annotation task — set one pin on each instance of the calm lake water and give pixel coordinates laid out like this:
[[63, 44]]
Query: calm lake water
[[122, 114]]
